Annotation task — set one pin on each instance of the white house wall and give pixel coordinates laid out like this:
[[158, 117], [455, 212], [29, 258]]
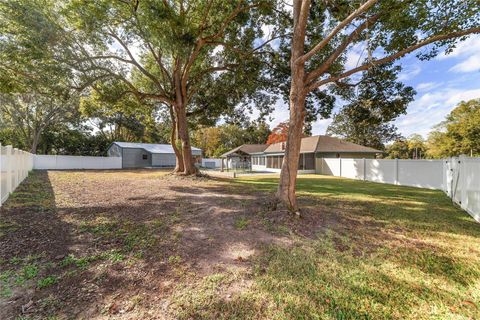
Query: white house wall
[[265, 169]]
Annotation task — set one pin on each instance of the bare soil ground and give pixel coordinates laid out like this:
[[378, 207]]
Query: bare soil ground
[[147, 245], [114, 240]]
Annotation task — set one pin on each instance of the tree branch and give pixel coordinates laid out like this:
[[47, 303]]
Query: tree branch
[[392, 57], [341, 48], [142, 69], [364, 7]]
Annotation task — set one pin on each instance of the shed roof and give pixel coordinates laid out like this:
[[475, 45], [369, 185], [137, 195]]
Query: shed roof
[[323, 144], [246, 148], [150, 147]]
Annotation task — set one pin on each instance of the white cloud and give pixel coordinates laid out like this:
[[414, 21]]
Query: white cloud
[[427, 86], [354, 56], [467, 53], [409, 72], [470, 64], [470, 46], [280, 114], [431, 108], [320, 127]]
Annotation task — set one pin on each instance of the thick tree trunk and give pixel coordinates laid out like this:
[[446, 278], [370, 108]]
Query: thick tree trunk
[[35, 141], [189, 167], [182, 124], [179, 168], [288, 175]]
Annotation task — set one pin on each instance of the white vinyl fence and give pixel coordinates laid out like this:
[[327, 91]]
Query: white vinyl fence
[[458, 177], [52, 162], [15, 165], [462, 183], [413, 173], [211, 163]]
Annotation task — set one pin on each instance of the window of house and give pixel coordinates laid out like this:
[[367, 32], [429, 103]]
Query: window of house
[[274, 162], [145, 156], [309, 161], [301, 162]]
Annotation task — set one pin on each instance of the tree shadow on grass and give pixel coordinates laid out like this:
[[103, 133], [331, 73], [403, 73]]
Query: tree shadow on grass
[[413, 208], [37, 237]]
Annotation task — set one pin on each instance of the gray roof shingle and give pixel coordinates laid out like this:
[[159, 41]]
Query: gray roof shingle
[[151, 147], [323, 144], [246, 148]]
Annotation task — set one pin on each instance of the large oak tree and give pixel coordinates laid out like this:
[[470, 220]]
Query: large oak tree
[[324, 32], [198, 58]]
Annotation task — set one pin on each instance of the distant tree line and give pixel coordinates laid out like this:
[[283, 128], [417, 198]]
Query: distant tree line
[[458, 135]]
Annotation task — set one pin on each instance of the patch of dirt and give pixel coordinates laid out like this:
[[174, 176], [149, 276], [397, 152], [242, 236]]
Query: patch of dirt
[[166, 228]]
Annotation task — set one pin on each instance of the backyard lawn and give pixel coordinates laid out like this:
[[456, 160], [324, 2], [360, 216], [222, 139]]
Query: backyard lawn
[[147, 245]]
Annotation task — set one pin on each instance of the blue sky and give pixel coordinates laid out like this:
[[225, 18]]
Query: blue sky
[[440, 83]]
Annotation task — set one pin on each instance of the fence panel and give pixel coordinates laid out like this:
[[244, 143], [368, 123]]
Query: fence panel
[[15, 165], [352, 168], [4, 174], [380, 170], [421, 173], [330, 167], [463, 177], [211, 163], [52, 162]]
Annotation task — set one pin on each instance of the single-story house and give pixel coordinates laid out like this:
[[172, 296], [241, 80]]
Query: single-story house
[[240, 157], [143, 155], [312, 150]]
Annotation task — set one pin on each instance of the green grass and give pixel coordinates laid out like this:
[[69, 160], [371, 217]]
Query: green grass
[[31, 194], [47, 282], [241, 223], [391, 253]]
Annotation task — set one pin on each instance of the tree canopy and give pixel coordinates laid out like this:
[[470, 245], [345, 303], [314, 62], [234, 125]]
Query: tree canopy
[[377, 100], [214, 141], [413, 147], [458, 134], [197, 58]]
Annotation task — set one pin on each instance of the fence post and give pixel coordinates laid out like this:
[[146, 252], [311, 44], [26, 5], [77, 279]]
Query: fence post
[[444, 169], [396, 171], [462, 182], [8, 158], [364, 169], [17, 167], [340, 164]]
